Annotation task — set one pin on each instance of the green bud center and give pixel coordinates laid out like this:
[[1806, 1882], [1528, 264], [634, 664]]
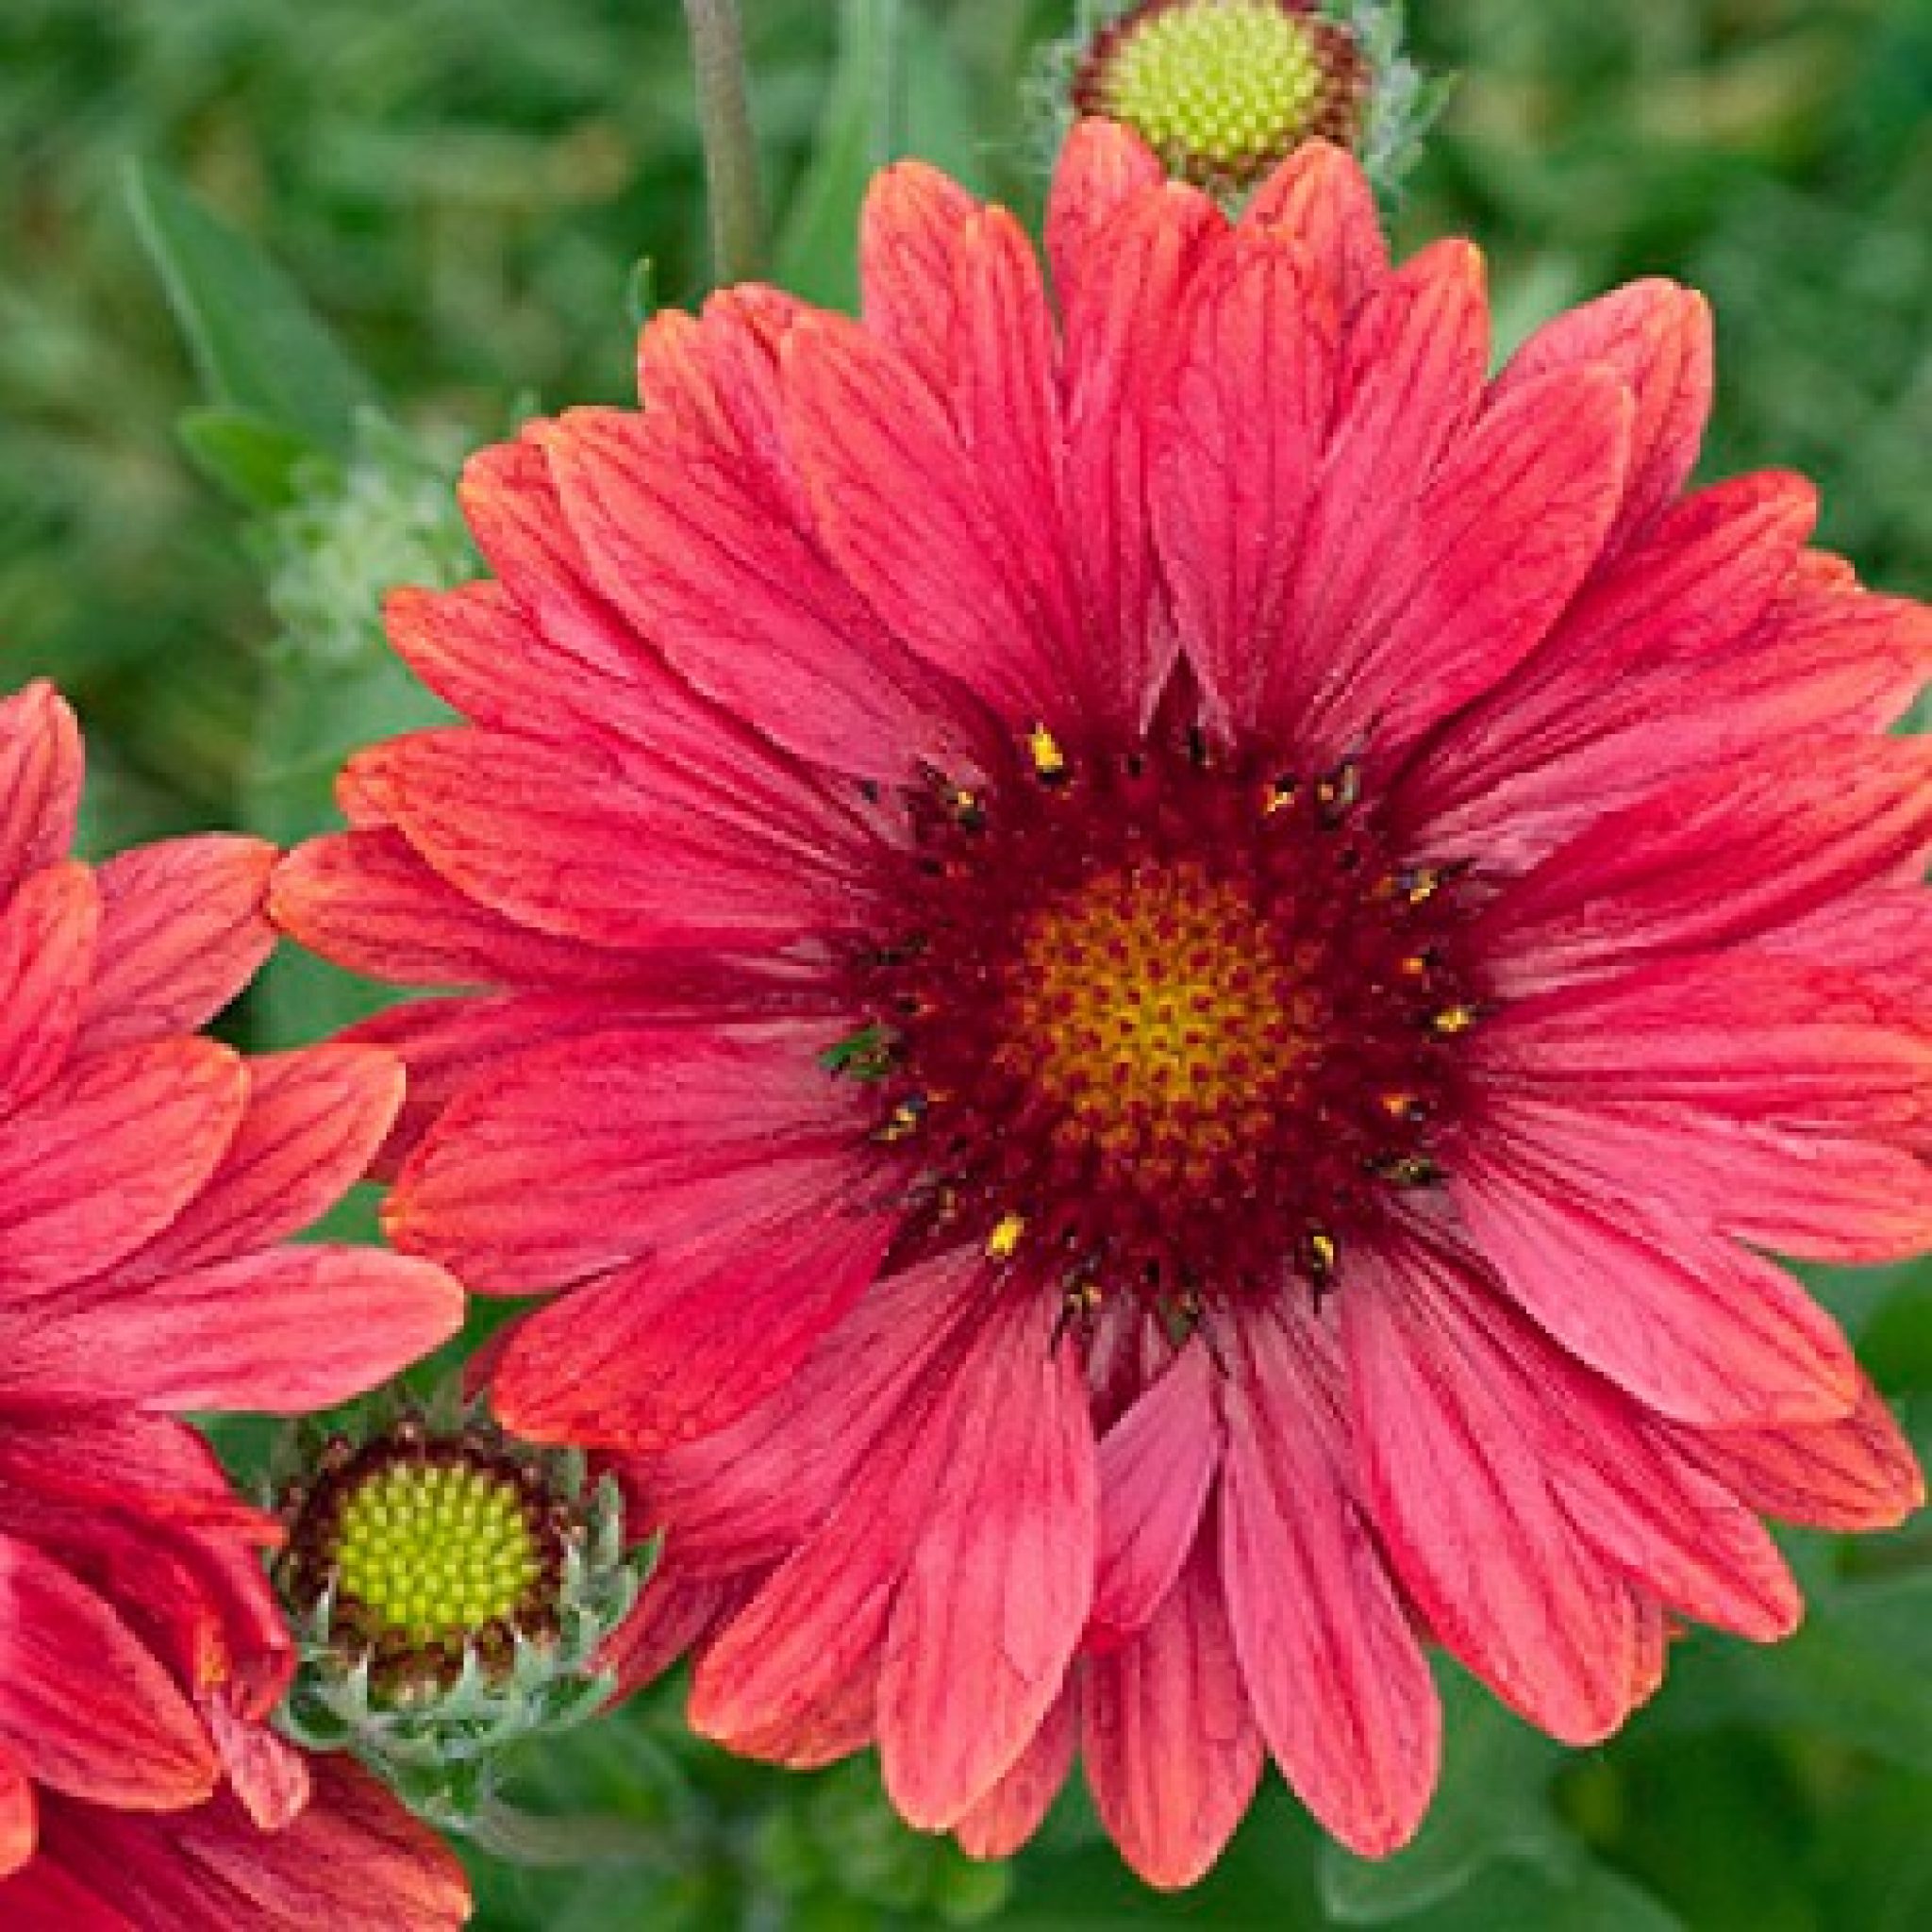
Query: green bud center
[[1224, 89], [425, 1548], [436, 1549]]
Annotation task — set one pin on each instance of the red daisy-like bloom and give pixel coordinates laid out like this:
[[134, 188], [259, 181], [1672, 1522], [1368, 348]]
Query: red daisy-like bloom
[[145, 1176], [1151, 980], [351, 1859]]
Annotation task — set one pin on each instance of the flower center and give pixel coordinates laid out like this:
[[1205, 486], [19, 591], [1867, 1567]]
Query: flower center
[[426, 1546], [436, 1548], [1161, 1012], [1170, 1018], [1221, 89]]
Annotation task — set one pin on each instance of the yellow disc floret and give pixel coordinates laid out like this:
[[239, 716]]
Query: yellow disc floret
[[1224, 89], [1159, 1012], [436, 1549]]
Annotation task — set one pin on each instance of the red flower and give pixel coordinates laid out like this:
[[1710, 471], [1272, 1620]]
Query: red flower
[[1150, 984], [351, 1857], [145, 1175]]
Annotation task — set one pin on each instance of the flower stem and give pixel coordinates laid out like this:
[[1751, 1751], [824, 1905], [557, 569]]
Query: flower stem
[[731, 156], [528, 1838]]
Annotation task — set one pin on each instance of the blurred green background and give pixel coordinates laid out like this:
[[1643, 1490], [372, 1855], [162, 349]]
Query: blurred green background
[[463, 189]]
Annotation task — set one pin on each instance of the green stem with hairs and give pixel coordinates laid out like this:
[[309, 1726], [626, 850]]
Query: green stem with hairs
[[533, 1838], [731, 156]]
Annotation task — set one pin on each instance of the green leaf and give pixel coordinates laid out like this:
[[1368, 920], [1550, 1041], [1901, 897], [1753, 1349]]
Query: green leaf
[[256, 345], [1860, 1671], [311, 719], [817, 252], [897, 89], [1072, 1879], [641, 290], [1493, 1804], [1662, 1803], [1874, 1857], [1586, 1897], [250, 459]]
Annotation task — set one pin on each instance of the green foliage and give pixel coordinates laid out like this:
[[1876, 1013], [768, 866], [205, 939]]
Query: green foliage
[[257, 348], [895, 89], [484, 200], [1492, 1844]]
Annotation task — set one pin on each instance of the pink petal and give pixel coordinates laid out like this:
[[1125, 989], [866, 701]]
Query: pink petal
[[1006, 398], [1156, 1466], [694, 532], [84, 1707], [353, 1858], [449, 1044], [1320, 197], [1333, 1670], [677, 1346], [1884, 936], [1240, 441], [47, 950], [265, 1771], [1465, 1509], [1411, 380], [1691, 1323], [820, 1622], [126, 1459], [838, 1723], [669, 1618], [1123, 327], [1001, 1580], [1857, 1473], [1658, 337], [1504, 533], [566, 670], [313, 1120], [40, 781], [1000, 1822], [574, 844], [183, 930], [1716, 859], [908, 239], [577, 1157], [1737, 1035], [1169, 1744], [285, 1331], [368, 902], [512, 504], [102, 1159], [1101, 167], [1668, 1527], [1653, 668], [718, 693], [18, 1821], [749, 1494], [1820, 1197], [870, 438]]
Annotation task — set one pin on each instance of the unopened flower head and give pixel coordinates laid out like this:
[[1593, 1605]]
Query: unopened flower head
[[1222, 91], [449, 1589]]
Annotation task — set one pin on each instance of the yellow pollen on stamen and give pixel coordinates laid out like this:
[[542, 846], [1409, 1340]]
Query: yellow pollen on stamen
[[1004, 1239], [1049, 761], [1158, 1012]]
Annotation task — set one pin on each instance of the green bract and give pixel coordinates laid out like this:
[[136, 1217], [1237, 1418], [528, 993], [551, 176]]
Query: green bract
[[449, 1590]]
